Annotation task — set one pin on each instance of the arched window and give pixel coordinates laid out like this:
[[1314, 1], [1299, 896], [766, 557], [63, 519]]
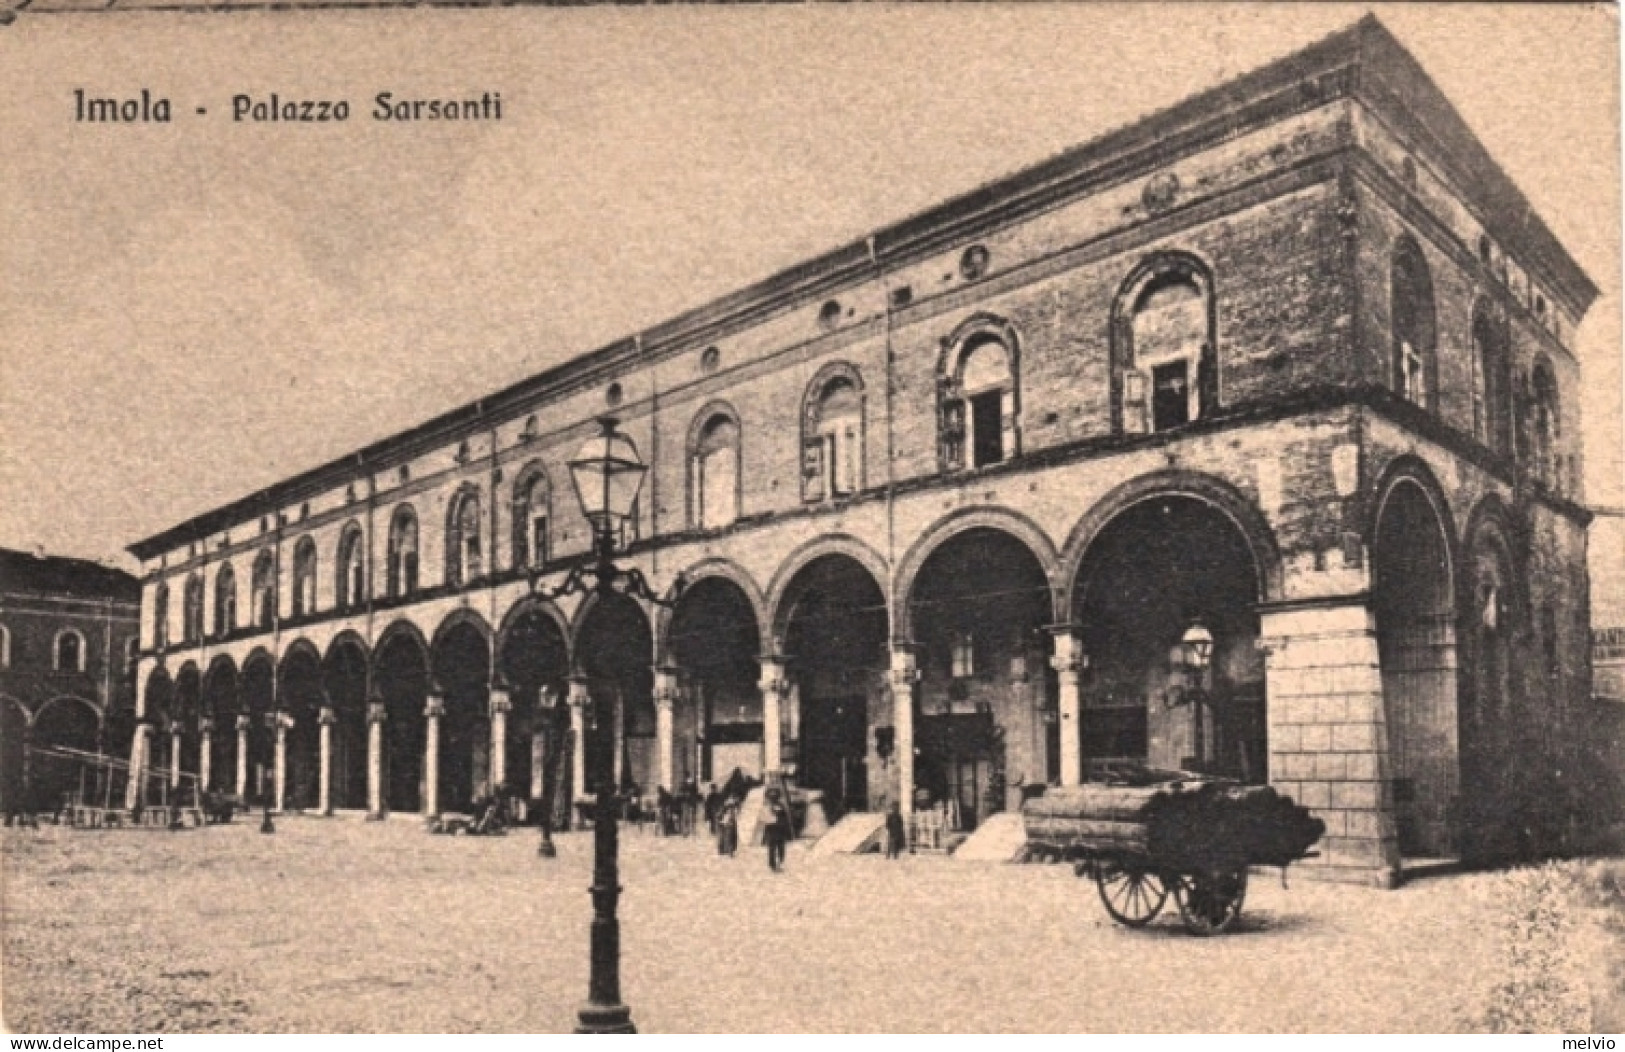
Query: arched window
[[1490, 348], [402, 577], [977, 407], [192, 609], [714, 469], [350, 586], [1165, 368], [68, 652], [1545, 425], [832, 434], [225, 601], [304, 577], [263, 588], [463, 562], [532, 504], [1413, 323], [160, 615]]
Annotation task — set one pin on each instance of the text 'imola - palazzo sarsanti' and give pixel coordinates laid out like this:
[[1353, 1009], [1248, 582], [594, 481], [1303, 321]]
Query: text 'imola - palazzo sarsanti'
[[1291, 361]]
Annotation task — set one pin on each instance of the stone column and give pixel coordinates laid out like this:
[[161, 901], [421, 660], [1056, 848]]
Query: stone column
[[578, 700], [432, 712], [279, 773], [774, 687], [242, 758], [665, 703], [1328, 737], [501, 705], [133, 796], [175, 754], [205, 753], [324, 784], [905, 681], [376, 714], [1068, 663]]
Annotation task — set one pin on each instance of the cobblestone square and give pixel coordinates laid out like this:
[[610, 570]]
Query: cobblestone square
[[350, 926]]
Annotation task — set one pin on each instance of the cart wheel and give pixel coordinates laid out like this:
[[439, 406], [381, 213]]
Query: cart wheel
[[1210, 902], [1133, 896]]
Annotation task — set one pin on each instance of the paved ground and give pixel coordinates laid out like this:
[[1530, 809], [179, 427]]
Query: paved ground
[[341, 925]]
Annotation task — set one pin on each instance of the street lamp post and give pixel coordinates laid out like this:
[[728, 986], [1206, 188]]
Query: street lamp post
[[1192, 656], [607, 475]]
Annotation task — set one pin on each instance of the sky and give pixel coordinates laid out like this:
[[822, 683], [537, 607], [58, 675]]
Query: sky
[[193, 311]]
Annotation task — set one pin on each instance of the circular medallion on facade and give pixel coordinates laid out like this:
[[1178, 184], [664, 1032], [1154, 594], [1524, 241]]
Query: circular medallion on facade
[[973, 262], [614, 395], [710, 358], [1160, 191]]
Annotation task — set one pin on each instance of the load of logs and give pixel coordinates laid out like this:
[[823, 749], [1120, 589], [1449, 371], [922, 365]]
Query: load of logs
[[1184, 823]]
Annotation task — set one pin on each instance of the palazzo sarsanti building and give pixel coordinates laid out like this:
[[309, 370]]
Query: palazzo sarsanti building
[[1288, 365]]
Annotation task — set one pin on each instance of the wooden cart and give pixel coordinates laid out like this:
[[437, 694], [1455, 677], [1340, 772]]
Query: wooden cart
[[1161, 834]]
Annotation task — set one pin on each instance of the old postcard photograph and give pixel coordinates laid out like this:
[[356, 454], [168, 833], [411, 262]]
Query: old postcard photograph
[[932, 518]]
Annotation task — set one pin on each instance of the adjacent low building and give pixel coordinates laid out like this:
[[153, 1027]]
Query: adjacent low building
[[1288, 366], [68, 640]]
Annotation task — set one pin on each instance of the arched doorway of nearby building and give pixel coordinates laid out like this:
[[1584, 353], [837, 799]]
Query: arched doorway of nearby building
[[66, 723], [14, 740], [714, 641], [1159, 569], [259, 705], [462, 668], [536, 663], [614, 650], [835, 626], [1414, 603], [978, 608], [401, 676], [344, 675], [299, 696]]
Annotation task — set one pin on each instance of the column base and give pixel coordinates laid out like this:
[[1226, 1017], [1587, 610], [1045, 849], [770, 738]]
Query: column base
[[377, 816], [605, 1019]]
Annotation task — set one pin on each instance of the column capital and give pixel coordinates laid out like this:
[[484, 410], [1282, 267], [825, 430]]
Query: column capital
[[905, 662], [327, 717], [578, 697], [243, 723], [205, 725], [377, 712], [1069, 655], [284, 722], [435, 707], [665, 700], [176, 727], [500, 702]]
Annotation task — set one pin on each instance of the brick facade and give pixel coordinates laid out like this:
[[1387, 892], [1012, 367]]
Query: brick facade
[[1291, 457]]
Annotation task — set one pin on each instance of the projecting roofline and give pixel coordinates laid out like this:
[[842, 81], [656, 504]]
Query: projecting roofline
[[1364, 60]]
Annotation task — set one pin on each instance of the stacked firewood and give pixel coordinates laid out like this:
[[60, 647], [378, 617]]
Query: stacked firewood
[[1182, 824]]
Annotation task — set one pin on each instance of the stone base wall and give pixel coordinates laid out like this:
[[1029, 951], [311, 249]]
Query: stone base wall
[[1327, 737]]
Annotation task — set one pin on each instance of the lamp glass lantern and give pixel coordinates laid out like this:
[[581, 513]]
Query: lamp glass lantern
[[1194, 651], [607, 475]]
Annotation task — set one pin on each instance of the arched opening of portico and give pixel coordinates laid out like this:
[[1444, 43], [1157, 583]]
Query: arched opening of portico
[[158, 710], [835, 631], [978, 607], [188, 707], [401, 676], [462, 668], [1416, 640], [535, 661], [258, 695], [63, 723], [717, 724], [614, 651], [344, 676], [220, 704], [299, 697], [1159, 569]]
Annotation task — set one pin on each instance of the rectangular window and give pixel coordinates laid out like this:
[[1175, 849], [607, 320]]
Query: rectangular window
[[410, 572], [812, 469], [953, 434], [538, 540], [1170, 395], [987, 428], [964, 656]]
